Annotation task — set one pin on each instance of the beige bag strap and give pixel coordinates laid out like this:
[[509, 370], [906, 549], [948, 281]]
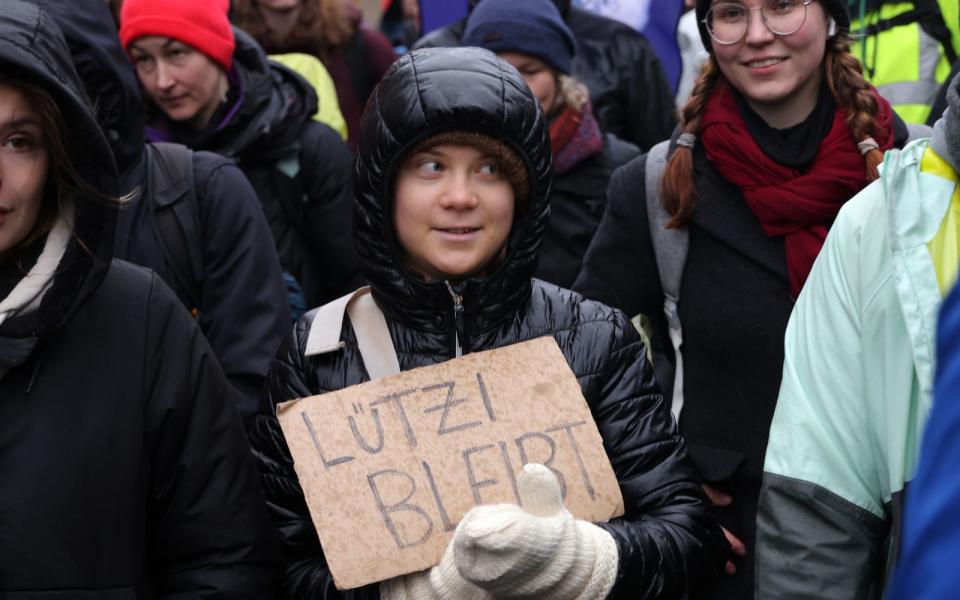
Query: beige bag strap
[[369, 325]]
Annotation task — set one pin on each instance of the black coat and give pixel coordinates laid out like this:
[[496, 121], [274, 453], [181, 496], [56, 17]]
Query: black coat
[[244, 310], [577, 202], [668, 545], [124, 465], [734, 304], [629, 90], [269, 131]]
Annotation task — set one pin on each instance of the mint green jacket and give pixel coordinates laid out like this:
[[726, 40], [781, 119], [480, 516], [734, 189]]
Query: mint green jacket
[[856, 390]]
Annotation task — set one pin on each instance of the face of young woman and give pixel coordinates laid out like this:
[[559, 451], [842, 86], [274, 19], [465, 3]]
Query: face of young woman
[[540, 78], [778, 75], [183, 82], [24, 161], [280, 16], [452, 212]]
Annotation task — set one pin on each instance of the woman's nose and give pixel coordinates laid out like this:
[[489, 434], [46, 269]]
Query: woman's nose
[[459, 193], [757, 30]]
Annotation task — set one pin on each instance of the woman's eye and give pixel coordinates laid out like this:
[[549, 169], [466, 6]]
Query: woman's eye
[[489, 169], [430, 166], [20, 143], [142, 62]]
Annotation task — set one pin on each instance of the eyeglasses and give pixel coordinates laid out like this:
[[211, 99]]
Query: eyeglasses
[[727, 22]]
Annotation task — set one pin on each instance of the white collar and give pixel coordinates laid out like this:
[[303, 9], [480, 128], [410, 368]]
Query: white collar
[[28, 293]]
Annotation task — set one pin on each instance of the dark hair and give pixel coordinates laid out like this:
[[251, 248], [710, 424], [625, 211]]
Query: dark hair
[[322, 25], [63, 181], [842, 74]]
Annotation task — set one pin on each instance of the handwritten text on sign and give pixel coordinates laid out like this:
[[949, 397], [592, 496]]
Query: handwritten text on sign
[[389, 467]]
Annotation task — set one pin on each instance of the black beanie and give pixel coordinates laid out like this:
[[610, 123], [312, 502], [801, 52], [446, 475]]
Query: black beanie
[[533, 27], [838, 9]]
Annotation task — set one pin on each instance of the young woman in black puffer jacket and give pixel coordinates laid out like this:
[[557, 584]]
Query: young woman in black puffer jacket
[[451, 270]]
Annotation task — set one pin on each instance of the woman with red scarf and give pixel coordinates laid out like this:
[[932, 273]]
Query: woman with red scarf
[[780, 131], [532, 36]]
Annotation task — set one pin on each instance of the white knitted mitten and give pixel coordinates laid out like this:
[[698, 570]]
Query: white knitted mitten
[[538, 551], [442, 582]]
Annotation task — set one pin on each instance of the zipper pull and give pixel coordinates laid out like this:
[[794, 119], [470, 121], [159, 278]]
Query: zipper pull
[[457, 318]]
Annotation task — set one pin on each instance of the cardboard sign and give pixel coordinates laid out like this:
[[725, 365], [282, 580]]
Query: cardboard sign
[[389, 467]]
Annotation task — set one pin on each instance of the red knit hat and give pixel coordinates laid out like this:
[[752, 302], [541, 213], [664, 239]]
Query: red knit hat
[[201, 24]]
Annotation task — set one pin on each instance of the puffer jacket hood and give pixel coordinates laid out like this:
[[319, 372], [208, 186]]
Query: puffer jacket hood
[[272, 107], [107, 75], [32, 48], [424, 93]]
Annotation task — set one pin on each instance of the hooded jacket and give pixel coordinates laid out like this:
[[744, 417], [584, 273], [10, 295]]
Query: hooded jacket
[[124, 466], [668, 545], [734, 304], [242, 281], [859, 357], [830, 498], [629, 90], [300, 169]]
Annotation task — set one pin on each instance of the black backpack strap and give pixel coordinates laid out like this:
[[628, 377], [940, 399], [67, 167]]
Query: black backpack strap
[[925, 13], [175, 216]]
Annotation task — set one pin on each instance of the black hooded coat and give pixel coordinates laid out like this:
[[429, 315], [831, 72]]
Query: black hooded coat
[[669, 545], [299, 167], [124, 467], [243, 309], [629, 90]]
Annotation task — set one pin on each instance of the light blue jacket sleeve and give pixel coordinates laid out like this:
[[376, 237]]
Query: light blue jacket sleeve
[[820, 526]]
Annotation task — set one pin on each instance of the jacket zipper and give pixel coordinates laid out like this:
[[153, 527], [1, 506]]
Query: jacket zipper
[[457, 320]]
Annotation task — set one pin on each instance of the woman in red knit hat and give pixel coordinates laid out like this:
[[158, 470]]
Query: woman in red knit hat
[[211, 87]]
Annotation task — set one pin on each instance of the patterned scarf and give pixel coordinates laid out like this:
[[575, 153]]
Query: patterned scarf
[[574, 136]]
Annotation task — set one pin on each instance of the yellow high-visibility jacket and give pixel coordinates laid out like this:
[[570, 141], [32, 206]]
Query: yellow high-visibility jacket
[[906, 64]]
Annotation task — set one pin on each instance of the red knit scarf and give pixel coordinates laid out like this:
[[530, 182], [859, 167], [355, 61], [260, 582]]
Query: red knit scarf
[[798, 205], [574, 136]]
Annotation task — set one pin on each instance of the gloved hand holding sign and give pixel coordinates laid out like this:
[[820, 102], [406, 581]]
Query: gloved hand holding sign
[[505, 551]]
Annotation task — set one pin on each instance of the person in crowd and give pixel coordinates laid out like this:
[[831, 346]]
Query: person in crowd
[[931, 528], [907, 49], [331, 30], [692, 53], [630, 93], [241, 280], [532, 36], [211, 87], [780, 131], [401, 21], [858, 378], [311, 69], [452, 201], [125, 468]]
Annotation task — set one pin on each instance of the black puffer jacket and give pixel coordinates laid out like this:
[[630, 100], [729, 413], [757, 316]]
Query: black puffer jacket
[[243, 307], [300, 168], [629, 90], [668, 544], [125, 472]]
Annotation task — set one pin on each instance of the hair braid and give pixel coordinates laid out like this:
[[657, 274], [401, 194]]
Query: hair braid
[[852, 92], [678, 189]]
